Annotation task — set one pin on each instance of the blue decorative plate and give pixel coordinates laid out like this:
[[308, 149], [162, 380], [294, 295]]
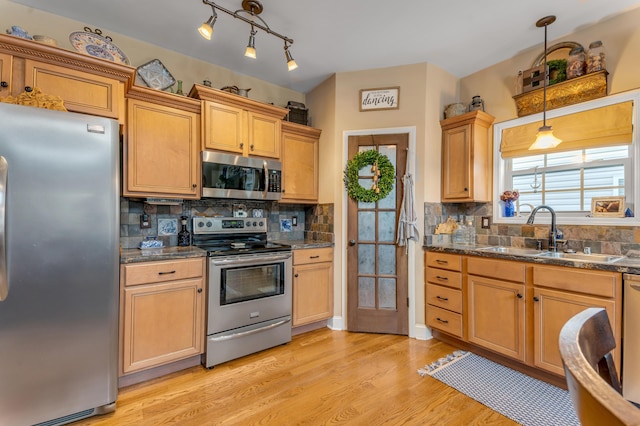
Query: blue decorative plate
[[96, 45]]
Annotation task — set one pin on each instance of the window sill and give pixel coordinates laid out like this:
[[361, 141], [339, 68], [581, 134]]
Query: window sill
[[542, 218]]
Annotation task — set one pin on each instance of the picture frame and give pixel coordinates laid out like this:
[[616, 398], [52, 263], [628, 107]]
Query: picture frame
[[608, 206], [383, 98]]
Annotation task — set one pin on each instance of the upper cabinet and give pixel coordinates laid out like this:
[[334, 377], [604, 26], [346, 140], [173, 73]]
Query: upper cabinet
[[86, 84], [161, 150], [466, 158], [237, 124], [299, 163]]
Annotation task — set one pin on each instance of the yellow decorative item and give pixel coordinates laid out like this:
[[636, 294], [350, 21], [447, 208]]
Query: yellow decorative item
[[36, 98]]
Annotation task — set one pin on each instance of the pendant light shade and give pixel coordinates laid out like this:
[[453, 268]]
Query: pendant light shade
[[206, 29], [250, 51], [545, 138]]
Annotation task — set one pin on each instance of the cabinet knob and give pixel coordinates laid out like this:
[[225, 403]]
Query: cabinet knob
[[296, 275], [241, 144], [199, 290], [28, 89], [352, 242], [466, 189], [519, 296], [251, 147], [194, 186], [4, 84], [536, 299]]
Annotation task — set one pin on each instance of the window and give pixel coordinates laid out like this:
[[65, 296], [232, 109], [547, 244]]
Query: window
[[568, 180]]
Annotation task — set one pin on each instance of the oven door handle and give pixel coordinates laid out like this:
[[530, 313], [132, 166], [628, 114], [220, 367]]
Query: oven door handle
[[249, 332], [253, 260]]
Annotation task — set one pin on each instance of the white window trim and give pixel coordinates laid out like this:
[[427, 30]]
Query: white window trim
[[499, 171]]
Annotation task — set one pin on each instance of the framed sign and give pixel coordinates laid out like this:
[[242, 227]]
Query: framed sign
[[607, 206], [380, 99]]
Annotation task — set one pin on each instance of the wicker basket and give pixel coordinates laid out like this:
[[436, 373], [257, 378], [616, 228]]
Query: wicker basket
[[297, 113]]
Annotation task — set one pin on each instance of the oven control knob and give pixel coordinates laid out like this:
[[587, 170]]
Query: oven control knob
[[261, 223], [209, 224], [255, 223], [200, 224], [248, 224]]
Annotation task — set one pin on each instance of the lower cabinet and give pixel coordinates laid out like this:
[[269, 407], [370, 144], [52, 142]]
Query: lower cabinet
[[517, 309], [312, 285], [161, 313]]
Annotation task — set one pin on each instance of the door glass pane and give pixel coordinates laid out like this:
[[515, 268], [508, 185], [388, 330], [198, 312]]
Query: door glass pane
[[366, 259], [389, 202], [366, 226], [366, 184], [387, 226], [366, 292], [387, 259], [387, 294]]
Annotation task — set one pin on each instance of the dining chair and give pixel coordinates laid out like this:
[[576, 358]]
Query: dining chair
[[586, 342]]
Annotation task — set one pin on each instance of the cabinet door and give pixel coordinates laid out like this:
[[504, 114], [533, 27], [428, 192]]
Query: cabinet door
[[81, 92], [312, 293], [162, 151], [552, 309], [299, 168], [6, 63], [162, 323], [264, 135], [456, 172], [496, 316], [224, 127]]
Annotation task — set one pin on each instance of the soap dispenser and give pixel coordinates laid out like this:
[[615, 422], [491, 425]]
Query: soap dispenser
[[184, 236]]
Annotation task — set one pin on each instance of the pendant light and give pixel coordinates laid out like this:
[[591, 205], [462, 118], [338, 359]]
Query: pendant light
[[545, 138]]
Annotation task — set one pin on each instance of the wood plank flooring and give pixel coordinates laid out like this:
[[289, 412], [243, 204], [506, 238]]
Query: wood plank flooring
[[322, 377]]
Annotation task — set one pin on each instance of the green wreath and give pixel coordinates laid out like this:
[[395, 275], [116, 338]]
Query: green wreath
[[385, 181]]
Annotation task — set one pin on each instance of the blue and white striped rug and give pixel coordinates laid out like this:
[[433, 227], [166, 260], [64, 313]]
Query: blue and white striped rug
[[515, 395]]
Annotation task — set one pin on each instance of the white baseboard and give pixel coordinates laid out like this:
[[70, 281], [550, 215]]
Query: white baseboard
[[336, 323], [423, 332]]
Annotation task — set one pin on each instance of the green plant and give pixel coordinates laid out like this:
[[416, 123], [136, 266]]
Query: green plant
[[385, 180]]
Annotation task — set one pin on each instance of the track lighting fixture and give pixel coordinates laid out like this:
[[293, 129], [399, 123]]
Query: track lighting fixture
[[253, 8], [545, 138]]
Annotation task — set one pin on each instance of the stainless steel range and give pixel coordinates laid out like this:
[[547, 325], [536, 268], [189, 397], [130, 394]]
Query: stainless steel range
[[249, 287]]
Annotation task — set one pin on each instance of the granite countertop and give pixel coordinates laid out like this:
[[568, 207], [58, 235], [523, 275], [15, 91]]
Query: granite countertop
[[624, 265], [165, 253], [304, 244]]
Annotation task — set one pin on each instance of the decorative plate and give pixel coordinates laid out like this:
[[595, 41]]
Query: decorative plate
[[156, 75], [96, 45]]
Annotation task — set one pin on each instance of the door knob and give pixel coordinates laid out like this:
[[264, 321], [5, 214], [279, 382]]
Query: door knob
[[352, 242]]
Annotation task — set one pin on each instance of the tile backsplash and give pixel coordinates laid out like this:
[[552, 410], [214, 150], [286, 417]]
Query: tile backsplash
[[601, 239], [312, 222]]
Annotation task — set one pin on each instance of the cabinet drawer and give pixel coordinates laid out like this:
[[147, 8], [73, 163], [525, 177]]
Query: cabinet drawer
[[453, 262], [597, 283], [317, 255], [500, 269], [444, 320], [154, 272], [443, 277], [444, 297]]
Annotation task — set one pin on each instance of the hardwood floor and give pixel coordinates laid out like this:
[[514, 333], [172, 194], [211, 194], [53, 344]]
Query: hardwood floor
[[321, 377]]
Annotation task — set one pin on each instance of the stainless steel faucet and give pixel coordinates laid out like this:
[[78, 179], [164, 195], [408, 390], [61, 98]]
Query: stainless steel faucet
[[553, 233]]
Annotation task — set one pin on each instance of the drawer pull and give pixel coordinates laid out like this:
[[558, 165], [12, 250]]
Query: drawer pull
[[442, 321], [167, 273], [442, 278], [442, 298], [442, 262], [314, 257]]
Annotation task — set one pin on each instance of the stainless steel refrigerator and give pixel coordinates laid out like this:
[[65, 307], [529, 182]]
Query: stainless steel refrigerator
[[59, 265]]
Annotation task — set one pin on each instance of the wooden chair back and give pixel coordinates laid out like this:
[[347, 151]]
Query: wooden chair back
[[586, 342]]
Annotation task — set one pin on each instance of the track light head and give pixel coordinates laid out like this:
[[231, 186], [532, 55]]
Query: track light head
[[250, 51], [291, 63], [206, 29]]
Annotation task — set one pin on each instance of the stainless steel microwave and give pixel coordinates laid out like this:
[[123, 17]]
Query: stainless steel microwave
[[235, 176]]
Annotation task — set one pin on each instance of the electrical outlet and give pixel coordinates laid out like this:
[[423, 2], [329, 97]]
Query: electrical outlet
[[294, 220], [486, 222], [145, 222]]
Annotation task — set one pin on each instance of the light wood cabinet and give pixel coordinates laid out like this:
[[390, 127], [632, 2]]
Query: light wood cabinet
[[161, 153], [5, 74], [312, 285], [466, 158], [559, 294], [300, 163], [444, 294], [238, 124], [161, 313], [496, 305], [86, 84]]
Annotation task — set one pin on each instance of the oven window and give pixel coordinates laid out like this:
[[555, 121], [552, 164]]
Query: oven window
[[249, 283]]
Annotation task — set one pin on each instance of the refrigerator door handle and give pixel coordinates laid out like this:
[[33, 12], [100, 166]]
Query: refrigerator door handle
[[4, 283]]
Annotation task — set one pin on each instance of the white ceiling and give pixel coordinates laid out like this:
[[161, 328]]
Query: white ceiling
[[460, 36]]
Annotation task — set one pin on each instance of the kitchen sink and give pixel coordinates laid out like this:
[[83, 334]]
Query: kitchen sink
[[517, 251], [602, 258]]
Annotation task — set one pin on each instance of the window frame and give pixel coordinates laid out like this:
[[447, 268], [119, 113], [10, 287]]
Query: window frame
[[500, 173]]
